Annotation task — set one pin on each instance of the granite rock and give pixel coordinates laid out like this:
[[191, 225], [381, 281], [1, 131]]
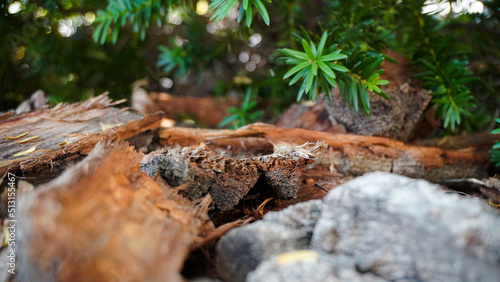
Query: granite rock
[[379, 226]]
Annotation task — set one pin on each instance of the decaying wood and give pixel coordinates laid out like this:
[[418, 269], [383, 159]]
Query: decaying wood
[[348, 155], [66, 133], [215, 234], [397, 118], [105, 220], [197, 172]]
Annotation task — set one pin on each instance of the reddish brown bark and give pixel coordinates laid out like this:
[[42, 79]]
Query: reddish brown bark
[[105, 220], [349, 155]]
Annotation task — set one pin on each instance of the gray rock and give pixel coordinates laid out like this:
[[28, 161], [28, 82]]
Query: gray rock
[[400, 228], [302, 217], [380, 226], [299, 266], [242, 249]]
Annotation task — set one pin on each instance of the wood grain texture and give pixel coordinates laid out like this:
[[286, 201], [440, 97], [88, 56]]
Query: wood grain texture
[[79, 124], [105, 220]]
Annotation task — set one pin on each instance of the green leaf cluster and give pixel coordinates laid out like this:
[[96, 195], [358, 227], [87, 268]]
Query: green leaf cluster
[[220, 8], [175, 57], [321, 67], [140, 13], [443, 62], [316, 65], [364, 76], [495, 152], [450, 93], [246, 113]]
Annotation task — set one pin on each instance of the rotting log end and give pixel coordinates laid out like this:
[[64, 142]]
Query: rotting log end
[[196, 172]]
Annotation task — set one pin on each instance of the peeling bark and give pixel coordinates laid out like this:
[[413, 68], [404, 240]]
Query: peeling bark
[[67, 133], [105, 220]]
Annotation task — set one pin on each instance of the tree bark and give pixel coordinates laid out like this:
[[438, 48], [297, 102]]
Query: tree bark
[[348, 155], [63, 135], [105, 220]]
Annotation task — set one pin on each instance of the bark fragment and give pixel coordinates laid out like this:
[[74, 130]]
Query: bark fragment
[[396, 118], [67, 134], [105, 220]]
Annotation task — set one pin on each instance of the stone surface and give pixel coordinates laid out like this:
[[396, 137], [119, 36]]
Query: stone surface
[[378, 226], [401, 228], [313, 266], [242, 249]]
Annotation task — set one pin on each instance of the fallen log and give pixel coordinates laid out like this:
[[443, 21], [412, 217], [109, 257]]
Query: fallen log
[[105, 220], [481, 141], [348, 155], [55, 138]]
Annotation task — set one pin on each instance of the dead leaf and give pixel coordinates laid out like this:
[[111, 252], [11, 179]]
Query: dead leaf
[[18, 136], [30, 150], [28, 139]]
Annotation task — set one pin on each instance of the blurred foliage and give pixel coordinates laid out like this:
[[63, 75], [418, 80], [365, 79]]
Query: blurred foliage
[[220, 8], [73, 48], [495, 150], [138, 13], [246, 113], [34, 55]]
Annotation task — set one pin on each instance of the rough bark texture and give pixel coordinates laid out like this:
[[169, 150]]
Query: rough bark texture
[[67, 133], [105, 220], [396, 118], [348, 155], [198, 172]]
